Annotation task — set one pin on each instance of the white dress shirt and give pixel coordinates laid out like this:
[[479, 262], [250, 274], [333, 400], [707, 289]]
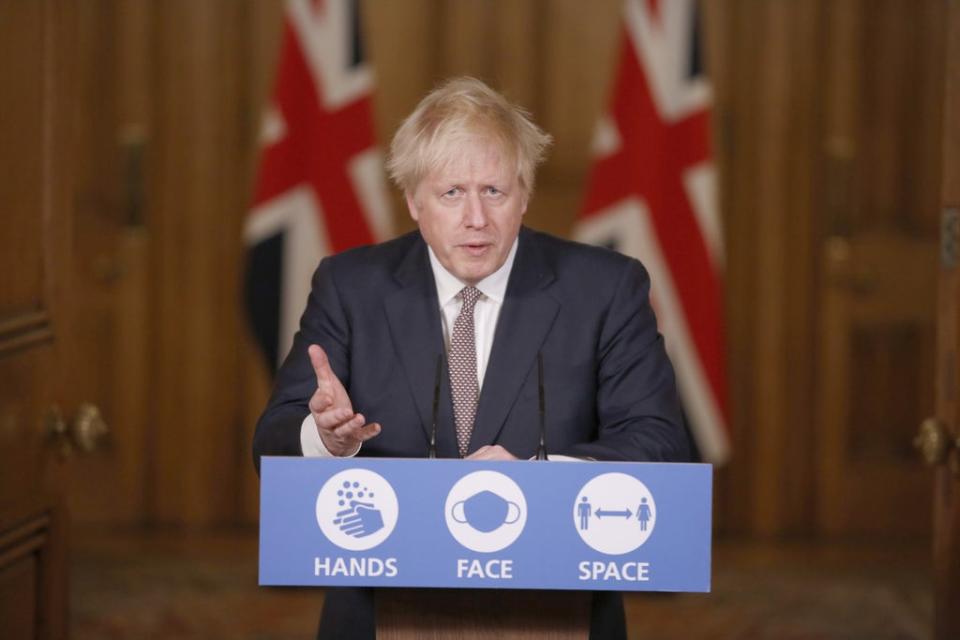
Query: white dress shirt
[[485, 315]]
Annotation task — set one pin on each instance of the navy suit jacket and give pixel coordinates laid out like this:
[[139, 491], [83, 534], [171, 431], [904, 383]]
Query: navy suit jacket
[[609, 386]]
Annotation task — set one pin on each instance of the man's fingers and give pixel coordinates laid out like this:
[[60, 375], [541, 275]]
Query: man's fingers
[[357, 429], [320, 402], [494, 452], [346, 425], [479, 453], [332, 419], [369, 431], [321, 364]]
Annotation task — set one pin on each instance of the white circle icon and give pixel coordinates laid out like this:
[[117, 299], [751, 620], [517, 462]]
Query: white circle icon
[[485, 511], [357, 509], [614, 513]]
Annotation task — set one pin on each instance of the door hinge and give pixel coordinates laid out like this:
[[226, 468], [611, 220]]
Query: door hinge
[[949, 237]]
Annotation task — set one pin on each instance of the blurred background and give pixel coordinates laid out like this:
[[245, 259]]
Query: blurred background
[[132, 135]]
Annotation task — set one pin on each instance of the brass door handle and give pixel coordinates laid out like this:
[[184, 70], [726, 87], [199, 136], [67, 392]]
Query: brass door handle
[[936, 444], [86, 433], [90, 430]]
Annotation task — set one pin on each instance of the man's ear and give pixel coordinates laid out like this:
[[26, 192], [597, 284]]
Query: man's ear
[[411, 206]]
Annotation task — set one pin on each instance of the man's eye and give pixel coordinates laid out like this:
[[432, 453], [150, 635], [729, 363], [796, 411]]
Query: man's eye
[[452, 193], [493, 191]]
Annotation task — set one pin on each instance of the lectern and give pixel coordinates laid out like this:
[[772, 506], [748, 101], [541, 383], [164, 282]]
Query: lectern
[[426, 614], [469, 549]]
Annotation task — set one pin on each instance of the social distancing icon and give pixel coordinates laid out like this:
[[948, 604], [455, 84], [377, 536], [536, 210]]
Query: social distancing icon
[[614, 513]]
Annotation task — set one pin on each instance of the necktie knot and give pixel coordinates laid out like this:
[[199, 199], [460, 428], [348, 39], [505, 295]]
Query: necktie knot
[[469, 296]]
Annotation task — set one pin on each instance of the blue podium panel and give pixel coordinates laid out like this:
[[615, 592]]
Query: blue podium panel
[[465, 524]]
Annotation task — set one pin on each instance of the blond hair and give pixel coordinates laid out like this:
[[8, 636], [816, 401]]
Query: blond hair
[[458, 111]]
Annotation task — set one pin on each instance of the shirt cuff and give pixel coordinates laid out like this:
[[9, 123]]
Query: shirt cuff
[[311, 445]]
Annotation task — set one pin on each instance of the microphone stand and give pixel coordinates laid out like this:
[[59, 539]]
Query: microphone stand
[[432, 452], [542, 448]]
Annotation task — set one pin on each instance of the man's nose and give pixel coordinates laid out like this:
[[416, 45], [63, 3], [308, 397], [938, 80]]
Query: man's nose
[[474, 215]]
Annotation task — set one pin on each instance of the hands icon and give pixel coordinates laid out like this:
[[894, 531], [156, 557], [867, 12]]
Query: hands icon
[[360, 520], [356, 509]]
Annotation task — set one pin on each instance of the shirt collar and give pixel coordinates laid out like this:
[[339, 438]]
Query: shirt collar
[[494, 286]]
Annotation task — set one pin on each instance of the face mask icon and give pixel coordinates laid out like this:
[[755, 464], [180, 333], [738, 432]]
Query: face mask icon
[[485, 511]]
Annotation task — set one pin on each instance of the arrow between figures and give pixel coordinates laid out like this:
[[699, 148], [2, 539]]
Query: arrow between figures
[[626, 513]]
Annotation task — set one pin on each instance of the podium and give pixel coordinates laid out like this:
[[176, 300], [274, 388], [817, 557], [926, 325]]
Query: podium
[[443, 614], [464, 549]]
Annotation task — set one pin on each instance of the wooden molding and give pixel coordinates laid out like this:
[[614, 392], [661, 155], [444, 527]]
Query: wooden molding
[[24, 330], [23, 540]]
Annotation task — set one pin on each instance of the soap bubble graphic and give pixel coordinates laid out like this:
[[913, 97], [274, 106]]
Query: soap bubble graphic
[[351, 490]]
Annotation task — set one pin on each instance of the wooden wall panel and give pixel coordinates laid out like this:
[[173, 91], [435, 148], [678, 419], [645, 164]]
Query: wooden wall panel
[[260, 43], [198, 200], [765, 118], [878, 168], [407, 56], [467, 35], [110, 269], [21, 260], [18, 607], [36, 226], [803, 158], [717, 20], [37, 54], [800, 243], [581, 50], [771, 128], [899, 123], [732, 117], [518, 51]]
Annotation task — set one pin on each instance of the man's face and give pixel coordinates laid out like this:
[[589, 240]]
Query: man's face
[[470, 212]]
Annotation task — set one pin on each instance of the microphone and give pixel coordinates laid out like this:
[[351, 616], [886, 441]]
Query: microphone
[[432, 453], [542, 448]]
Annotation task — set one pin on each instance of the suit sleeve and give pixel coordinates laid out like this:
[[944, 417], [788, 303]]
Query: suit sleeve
[[637, 405], [326, 323]]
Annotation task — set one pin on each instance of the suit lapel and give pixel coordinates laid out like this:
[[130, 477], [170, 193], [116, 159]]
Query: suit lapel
[[414, 317], [526, 317]]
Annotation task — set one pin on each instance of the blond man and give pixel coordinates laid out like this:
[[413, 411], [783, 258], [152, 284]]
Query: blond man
[[490, 301]]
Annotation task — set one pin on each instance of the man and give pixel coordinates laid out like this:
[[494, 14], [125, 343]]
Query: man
[[490, 299]]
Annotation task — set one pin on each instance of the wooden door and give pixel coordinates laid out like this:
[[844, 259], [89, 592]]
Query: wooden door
[[36, 50], [157, 251], [111, 248], [880, 165], [940, 437], [164, 133]]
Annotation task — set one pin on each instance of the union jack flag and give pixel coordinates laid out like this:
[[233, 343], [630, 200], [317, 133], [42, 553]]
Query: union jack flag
[[652, 196], [320, 187]]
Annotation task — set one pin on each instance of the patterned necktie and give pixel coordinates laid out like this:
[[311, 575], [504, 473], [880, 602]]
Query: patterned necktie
[[462, 361]]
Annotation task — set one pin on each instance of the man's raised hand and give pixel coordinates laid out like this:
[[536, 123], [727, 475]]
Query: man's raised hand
[[341, 430]]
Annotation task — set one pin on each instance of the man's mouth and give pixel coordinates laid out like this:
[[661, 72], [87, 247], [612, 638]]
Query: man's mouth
[[476, 248]]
